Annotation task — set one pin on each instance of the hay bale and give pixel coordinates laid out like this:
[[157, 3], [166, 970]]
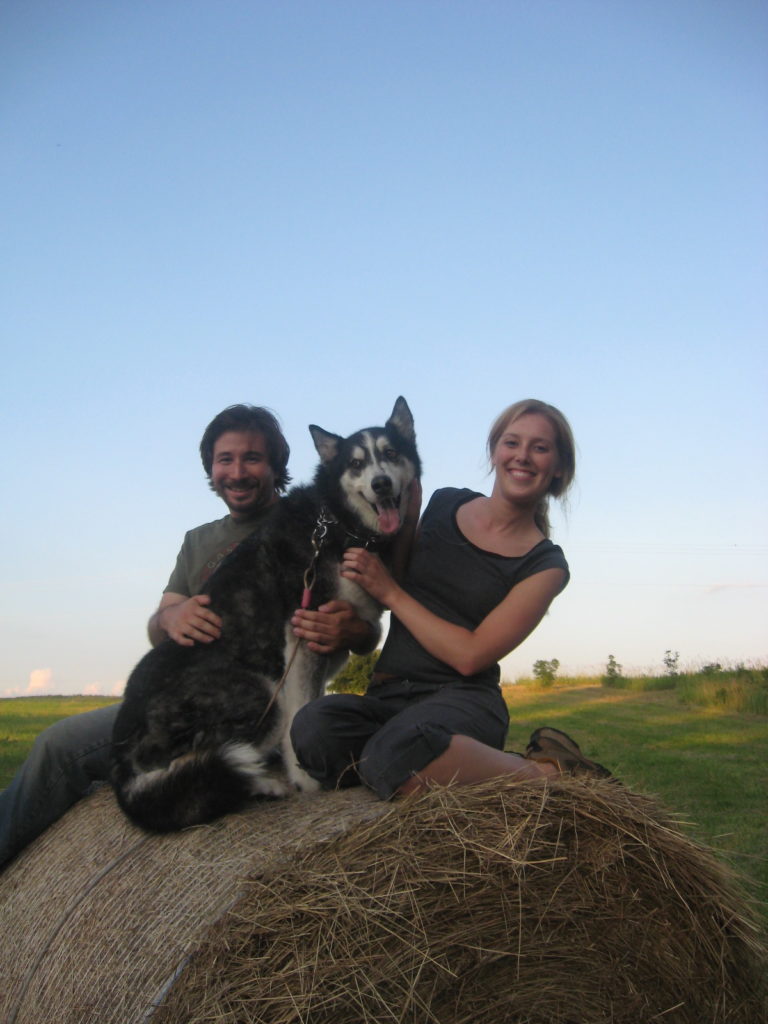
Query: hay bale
[[568, 902], [526, 903], [98, 917]]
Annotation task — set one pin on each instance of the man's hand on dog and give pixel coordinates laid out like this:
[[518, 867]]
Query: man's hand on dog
[[191, 621], [333, 627]]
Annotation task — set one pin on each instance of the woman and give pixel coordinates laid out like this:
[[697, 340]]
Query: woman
[[481, 577]]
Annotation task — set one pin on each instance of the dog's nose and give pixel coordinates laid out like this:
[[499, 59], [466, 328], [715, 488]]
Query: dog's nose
[[382, 485]]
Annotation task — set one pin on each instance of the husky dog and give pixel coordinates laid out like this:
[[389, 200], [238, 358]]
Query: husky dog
[[201, 728]]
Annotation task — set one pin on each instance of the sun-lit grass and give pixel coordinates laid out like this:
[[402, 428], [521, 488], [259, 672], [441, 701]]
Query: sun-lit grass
[[22, 718], [622, 683], [739, 688], [529, 682]]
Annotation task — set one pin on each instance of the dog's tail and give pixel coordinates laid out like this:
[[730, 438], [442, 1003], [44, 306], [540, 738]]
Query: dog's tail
[[197, 787]]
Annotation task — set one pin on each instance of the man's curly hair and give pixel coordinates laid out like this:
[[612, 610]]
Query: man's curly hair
[[249, 418]]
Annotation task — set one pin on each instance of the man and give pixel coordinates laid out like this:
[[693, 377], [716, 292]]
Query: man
[[245, 457]]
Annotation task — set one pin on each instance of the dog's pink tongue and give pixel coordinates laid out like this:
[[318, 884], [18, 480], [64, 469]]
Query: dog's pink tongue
[[389, 520]]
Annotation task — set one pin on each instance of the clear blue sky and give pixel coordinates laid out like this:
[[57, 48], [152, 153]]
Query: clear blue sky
[[318, 206]]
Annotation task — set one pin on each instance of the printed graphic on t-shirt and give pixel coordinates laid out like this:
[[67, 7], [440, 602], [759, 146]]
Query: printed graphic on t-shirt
[[213, 564]]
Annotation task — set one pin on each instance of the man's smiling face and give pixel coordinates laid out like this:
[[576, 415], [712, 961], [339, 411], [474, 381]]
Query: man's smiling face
[[241, 473]]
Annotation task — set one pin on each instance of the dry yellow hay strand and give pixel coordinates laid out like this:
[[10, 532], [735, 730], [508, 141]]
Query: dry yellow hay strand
[[575, 902]]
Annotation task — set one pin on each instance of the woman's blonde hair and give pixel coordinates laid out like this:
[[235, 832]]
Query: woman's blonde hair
[[564, 442]]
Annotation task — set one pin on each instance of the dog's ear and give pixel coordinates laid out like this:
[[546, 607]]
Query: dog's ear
[[327, 444], [402, 419]]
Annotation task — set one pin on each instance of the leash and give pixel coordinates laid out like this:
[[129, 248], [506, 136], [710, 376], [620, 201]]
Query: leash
[[319, 535], [320, 532], [325, 518]]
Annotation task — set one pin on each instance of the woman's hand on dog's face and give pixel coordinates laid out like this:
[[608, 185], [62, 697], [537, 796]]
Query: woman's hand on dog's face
[[191, 621]]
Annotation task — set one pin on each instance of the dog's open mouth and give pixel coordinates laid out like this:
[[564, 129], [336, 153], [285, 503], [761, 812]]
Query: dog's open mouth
[[388, 515]]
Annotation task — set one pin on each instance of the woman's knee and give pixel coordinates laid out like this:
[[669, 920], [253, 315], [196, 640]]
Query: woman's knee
[[392, 756], [328, 735]]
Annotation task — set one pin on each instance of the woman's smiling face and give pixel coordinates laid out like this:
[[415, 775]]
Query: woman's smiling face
[[525, 457]]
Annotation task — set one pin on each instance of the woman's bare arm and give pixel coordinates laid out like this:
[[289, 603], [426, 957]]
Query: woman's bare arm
[[467, 651]]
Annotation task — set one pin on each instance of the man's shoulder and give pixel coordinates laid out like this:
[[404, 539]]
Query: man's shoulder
[[203, 550], [223, 525], [220, 531]]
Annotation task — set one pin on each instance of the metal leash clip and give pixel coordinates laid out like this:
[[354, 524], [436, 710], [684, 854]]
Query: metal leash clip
[[319, 534]]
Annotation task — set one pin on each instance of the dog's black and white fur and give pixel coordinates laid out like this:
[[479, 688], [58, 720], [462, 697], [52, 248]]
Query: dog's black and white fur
[[201, 729]]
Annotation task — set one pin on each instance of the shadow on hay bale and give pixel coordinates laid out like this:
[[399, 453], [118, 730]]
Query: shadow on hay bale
[[574, 902]]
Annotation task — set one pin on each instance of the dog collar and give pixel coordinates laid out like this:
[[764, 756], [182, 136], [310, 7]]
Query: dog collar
[[326, 518]]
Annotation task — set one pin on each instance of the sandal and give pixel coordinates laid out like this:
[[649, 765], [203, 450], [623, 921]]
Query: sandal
[[555, 747], [548, 733]]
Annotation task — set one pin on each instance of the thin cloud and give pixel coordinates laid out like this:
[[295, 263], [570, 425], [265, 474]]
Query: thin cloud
[[39, 680], [718, 588], [39, 683], [100, 690]]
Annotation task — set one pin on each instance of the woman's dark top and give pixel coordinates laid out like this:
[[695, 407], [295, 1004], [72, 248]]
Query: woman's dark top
[[459, 582]]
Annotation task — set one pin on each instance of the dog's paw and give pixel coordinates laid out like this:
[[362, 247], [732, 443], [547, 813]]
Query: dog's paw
[[270, 785], [307, 785], [302, 782]]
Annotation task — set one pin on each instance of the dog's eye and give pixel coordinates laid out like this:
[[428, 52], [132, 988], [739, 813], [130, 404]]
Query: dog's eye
[[391, 454], [356, 463]]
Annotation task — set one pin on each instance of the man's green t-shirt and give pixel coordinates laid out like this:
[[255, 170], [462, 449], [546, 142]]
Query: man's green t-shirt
[[202, 551]]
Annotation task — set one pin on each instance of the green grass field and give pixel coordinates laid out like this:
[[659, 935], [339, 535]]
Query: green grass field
[[704, 763], [22, 718]]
